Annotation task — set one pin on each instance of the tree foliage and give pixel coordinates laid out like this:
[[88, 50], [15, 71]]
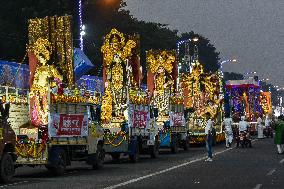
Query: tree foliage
[[14, 17], [99, 18]]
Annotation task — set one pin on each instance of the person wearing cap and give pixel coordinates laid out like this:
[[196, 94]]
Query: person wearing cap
[[209, 137]]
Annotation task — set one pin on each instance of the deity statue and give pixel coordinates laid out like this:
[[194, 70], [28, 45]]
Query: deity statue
[[116, 52], [39, 89]]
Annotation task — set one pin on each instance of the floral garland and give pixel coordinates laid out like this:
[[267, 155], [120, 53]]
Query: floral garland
[[177, 100], [106, 113], [138, 97], [160, 59], [112, 138], [29, 148]]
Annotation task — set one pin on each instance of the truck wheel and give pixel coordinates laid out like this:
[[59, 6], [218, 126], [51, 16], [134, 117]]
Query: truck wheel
[[186, 144], [100, 156], [134, 157], [154, 150], [115, 156], [60, 166], [174, 148], [7, 168]]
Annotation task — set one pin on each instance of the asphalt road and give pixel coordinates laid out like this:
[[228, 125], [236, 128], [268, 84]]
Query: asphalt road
[[252, 168]]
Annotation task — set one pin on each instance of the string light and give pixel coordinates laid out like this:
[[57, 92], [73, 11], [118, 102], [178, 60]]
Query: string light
[[81, 26]]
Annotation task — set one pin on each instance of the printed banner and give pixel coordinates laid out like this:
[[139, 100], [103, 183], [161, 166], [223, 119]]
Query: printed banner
[[68, 125], [177, 119], [140, 119]]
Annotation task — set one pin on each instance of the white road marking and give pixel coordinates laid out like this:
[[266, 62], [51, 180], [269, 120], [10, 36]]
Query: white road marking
[[163, 171], [13, 184], [282, 161], [271, 172], [258, 186]]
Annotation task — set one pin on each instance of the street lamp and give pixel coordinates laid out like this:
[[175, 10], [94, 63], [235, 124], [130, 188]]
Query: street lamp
[[223, 62], [179, 43]]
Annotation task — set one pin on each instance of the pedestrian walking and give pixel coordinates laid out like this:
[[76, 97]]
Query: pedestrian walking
[[209, 137], [279, 134], [227, 124], [259, 127]]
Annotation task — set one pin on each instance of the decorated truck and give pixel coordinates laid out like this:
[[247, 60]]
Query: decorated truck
[[244, 98], [127, 115], [202, 94], [7, 145], [63, 124], [161, 81]]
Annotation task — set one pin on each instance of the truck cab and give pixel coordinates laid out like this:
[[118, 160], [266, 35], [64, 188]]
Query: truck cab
[[7, 146]]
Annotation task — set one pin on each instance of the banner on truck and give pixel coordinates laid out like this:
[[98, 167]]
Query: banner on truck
[[177, 119], [68, 125]]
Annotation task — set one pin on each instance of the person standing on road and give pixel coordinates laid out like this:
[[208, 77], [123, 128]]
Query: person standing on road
[[259, 127], [279, 134], [267, 122], [209, 138], [227, 124]]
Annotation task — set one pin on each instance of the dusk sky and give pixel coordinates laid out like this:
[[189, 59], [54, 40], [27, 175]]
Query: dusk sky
[[252, 31]]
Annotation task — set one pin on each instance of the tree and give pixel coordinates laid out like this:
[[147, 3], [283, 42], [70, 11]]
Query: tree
[[14, 22], [99, 17], [232, 76]]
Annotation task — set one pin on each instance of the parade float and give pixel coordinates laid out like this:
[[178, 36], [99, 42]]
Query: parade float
[[202, 94], [161, 81], [242, 98], [126, 110], [56, 122], [13, 100]]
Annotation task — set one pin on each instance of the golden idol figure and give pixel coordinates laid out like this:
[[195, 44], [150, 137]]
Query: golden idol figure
[[43, 74]]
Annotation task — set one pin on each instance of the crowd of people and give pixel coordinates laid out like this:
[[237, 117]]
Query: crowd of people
[[266, 125]]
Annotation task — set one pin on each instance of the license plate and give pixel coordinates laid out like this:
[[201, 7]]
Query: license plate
[[150, 142]]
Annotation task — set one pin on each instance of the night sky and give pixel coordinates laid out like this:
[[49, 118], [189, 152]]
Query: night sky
[[252, 31]]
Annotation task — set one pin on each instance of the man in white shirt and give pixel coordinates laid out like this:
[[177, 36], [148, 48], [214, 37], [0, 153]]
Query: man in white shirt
[[209, 137], [267, 121], [243, 125], [228, 130], [259, 127]]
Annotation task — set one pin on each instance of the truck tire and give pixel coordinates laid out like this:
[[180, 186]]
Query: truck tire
[[7, 168], [174, 148], [115, 156], [100, 156], [186, 144], [60, 166], [154, 150], [135, 156]]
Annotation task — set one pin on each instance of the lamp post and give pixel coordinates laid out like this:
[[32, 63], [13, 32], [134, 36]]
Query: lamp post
[[187, 55], [223, 62]]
